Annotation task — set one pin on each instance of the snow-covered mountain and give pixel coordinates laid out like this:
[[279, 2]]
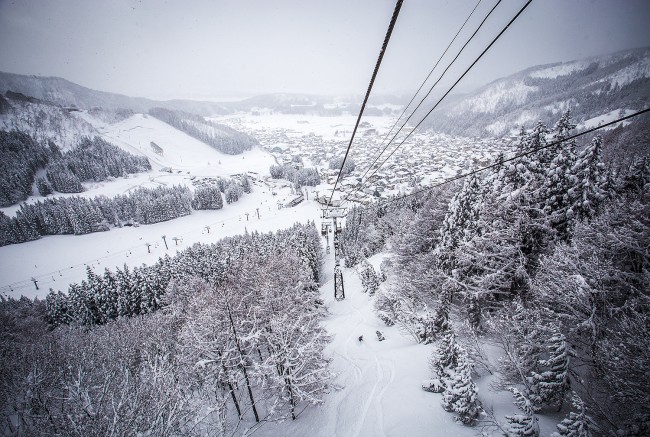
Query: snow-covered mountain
[[65, 93], [42, 120], [591, 88]]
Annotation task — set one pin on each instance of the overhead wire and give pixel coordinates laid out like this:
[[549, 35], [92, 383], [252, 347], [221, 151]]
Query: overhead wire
[[513, 158], [389, 32], [448, 91], [422, 86], [432, 86]]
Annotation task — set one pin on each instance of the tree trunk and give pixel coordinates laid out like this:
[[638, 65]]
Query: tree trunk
[[241, 354], [292, 401], [231, 388]]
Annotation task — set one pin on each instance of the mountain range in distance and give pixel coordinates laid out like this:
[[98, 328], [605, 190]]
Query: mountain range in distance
[[589, 87]]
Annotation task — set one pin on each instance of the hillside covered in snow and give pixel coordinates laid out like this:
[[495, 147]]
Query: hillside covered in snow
[[589, 88]]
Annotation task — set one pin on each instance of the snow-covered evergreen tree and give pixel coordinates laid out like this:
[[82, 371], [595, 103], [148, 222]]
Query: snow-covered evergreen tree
[[460, 395], [44, 187], [207, 197], [524, 424], [445, 356], [590, 177], [460, 221], [369, 278], [558, 181], [578, 423], [246, 184], [233, 192], [550, 386]]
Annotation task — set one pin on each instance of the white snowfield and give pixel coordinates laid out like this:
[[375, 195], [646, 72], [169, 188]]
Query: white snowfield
[[379, 392], [57, 261], [607, 118], [180, 152]]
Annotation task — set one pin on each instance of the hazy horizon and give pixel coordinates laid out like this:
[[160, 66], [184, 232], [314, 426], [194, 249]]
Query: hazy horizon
[[204, 50]]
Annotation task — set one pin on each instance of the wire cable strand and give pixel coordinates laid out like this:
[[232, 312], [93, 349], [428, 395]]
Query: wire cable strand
[[389, 32], [432, 86], [420, 89], [449, 90]]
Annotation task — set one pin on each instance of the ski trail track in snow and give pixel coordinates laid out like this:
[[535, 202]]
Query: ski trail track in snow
[[365, 376], [381, 394], [378, 385]]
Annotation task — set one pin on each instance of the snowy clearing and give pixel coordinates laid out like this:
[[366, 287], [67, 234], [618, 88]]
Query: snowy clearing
[[606, 118], [21, 262], [379, 382]]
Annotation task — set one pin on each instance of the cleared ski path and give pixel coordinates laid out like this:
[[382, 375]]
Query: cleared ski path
[[378, 385]]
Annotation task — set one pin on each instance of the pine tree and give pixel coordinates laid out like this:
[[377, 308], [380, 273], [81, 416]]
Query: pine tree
[[233, 192], [522, 425], [577, 424], [636, 178], [445, 357], [208, 197], [441, 318], [552, 385], [460, 220], [556, 185], [369, 278], [246, 184], [44, 187], [590, 178], [56, 304], [461, 393]]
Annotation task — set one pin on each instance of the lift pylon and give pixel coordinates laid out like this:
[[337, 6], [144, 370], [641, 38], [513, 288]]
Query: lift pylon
[[339, 290]]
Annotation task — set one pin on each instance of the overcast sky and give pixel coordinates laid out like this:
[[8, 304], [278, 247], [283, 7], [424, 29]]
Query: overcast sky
[[231, 48]]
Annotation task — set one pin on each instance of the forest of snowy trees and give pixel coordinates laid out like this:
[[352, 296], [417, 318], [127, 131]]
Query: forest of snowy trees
[[544, 258], [92, 159], [83, 215], [219, 136], [301, 177], [189, 346]]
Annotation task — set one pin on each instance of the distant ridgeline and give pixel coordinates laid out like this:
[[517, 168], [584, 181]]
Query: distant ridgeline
[[218, 136], [82, 215], [93, 159], [126, 292]]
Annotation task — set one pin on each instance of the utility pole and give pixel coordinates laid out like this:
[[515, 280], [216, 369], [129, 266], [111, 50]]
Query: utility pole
[[207, 228], [35, 283], [164, 237], [258, 212], [148, 247]]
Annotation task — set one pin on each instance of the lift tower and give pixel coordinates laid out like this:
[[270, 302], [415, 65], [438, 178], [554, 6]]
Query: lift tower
[[336, 214]]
